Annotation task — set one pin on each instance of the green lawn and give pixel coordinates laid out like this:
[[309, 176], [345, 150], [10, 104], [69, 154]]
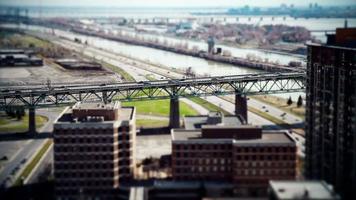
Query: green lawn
[[8, 124], [159, 107], [151, 123], [209, 106], [281, 103], [21, 40]]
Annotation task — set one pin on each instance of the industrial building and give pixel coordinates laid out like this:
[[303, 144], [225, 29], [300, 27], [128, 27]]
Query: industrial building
[[18, 57], [94, 150], [76, 64], [331, 112]]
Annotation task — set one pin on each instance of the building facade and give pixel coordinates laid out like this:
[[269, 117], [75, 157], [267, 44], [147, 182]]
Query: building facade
[[245, 156], [331, 111], [94, 150]]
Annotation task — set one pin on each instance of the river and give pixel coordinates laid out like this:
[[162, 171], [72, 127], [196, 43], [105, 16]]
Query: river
[[200, 66]]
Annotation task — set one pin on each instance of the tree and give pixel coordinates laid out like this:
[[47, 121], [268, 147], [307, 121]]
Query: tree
[[300, 101], [289, 102], [20, 112]]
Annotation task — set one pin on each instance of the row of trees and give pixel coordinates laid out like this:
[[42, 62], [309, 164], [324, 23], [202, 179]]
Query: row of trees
[[15, 112], [299, 102]]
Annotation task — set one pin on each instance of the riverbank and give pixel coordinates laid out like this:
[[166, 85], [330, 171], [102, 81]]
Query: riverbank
[[259, 65]]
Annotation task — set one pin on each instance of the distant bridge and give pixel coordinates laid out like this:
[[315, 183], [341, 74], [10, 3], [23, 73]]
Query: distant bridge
[[240, 85]]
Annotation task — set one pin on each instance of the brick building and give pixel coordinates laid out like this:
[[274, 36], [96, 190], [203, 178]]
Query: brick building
[[94, 150], [244, 155], [331, 112]]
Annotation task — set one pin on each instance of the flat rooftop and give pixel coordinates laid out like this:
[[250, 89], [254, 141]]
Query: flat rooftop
[[124, 113], [196, 122], [303, 190], [96, 106], [268, 137]]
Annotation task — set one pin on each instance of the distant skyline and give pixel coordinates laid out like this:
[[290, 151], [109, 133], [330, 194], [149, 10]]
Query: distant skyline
[[172, 3]]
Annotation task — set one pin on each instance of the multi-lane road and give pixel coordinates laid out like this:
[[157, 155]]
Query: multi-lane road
[[13, 168]]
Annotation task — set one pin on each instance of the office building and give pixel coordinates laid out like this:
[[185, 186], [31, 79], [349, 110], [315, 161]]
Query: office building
[[331, 112], [94, 150], [244, 155]]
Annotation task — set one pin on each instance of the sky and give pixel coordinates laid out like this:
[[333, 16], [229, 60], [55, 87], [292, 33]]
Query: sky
[[171, 3]]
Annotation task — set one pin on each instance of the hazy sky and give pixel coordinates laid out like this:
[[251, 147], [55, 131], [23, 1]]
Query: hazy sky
[[171, 3]]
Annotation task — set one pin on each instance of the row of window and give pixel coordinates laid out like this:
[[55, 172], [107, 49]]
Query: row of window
[[264, 172], [81, 140], [82, 166], [265, 157], [84, 148], [203, 169], [84, 175], [178, 147], [266, 164], [202, 161], [264, 149], [202, 154], [85, 157]]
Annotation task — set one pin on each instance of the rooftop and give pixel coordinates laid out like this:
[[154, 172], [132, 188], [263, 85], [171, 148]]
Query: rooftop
[[302, 190], [95, 112], [196, 122], [96, 106], [268, 137]]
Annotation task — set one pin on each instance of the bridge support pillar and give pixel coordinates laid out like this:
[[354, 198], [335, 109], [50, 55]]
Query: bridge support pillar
[[241, 106], [174, 121], [32, 120]]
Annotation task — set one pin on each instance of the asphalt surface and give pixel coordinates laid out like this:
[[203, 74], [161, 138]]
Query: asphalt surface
[[17, 162]]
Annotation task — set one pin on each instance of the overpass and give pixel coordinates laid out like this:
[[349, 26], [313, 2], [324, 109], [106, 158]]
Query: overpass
[[35, 96]]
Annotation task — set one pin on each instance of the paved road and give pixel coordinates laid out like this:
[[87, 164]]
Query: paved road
[[16, 164]]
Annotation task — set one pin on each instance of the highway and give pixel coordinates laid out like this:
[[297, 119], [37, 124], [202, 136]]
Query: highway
[[16, 164]]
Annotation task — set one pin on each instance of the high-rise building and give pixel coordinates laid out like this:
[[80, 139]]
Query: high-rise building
[[331, 112], [244, 155], [94, 150]]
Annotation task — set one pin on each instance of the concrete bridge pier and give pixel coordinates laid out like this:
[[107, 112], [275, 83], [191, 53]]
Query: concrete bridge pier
[[32, 120], [174, 121], [241, 106]]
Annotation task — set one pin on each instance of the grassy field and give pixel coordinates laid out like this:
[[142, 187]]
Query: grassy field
[[21, 40], [151, 123], [28, 169], [209, 106], [159, 107], [281, 103], [8, 124]]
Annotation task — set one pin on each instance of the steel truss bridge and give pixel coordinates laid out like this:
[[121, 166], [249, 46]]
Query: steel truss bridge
[[44, 96], [241, 85]]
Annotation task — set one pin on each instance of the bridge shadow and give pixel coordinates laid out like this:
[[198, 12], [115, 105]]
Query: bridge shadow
[[299, 125], [24, 136]]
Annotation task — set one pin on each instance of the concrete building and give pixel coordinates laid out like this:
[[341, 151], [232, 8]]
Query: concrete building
[[331, 112], [18, 57], [94, 150], [311, 190], [244, 155]]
